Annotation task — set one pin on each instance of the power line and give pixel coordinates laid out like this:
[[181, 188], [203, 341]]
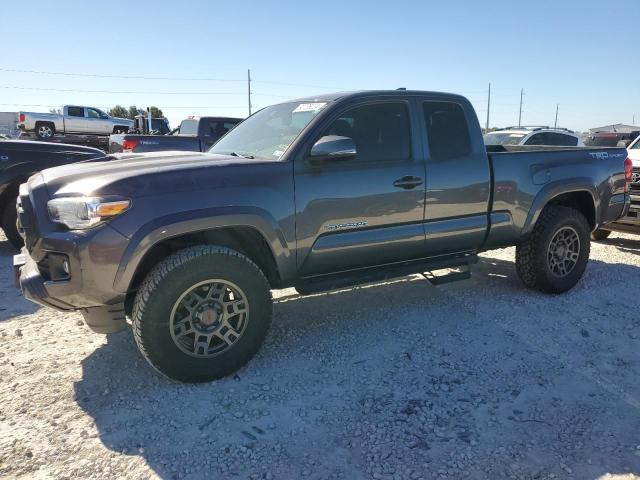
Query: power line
[[136, 92], [146, 77], [129, 77], [163, 107]]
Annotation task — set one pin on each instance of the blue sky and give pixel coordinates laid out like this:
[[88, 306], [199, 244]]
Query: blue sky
[[580, 54]]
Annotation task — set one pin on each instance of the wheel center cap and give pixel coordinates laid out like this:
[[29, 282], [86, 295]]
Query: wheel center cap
[[209, 315], [560, 251]]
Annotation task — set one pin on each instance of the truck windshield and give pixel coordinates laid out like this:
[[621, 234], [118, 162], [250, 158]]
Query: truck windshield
[[636, 144], [268, 133], [503, 138]]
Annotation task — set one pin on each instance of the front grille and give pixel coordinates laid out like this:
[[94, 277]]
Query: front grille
[[635, 180]]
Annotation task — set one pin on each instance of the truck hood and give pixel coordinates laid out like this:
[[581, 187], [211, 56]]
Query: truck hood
[[137, 175]]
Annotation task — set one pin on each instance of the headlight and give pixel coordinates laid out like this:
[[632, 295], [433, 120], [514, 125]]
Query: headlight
[[79, 213]]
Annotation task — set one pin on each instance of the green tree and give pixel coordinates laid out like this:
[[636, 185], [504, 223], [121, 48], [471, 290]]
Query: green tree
[[156, 112], [119, 111], [55, 110], [133, 111]]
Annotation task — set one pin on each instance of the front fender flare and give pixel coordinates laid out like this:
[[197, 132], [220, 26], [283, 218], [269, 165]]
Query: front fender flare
[[181, 223]]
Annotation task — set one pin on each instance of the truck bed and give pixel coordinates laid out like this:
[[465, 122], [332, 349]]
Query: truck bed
[[155, 143], [527, 175]]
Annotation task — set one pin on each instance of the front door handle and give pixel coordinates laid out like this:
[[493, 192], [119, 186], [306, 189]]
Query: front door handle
[[407, 182]]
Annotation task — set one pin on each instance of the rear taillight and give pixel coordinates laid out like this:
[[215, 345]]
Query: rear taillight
[[628, 169], [129, 145], [21, 117]]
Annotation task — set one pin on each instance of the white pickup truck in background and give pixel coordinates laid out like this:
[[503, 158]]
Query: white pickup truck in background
[[74, 119]]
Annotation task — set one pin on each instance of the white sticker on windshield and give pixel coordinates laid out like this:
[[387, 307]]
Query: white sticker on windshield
[[309, 107]]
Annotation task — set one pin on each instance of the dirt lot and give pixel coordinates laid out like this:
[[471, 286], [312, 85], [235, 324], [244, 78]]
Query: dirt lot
[[478, 379]]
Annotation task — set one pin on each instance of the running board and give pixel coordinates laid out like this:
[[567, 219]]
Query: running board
[[323, 283], [463, 274]]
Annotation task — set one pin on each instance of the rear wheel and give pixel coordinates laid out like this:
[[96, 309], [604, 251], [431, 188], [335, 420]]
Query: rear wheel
[[9, 225], [600, 234], [202, 313], [44, 130], [556, 253]]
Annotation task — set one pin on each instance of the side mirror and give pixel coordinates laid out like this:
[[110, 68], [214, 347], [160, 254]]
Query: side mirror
[[332, 147]]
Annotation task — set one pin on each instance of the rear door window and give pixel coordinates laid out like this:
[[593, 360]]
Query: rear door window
[[553, 139], [447, 130], [536, 139], [75, 111], [564, 140]]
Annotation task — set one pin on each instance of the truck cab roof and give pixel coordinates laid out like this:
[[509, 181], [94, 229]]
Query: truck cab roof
[[350, 95]]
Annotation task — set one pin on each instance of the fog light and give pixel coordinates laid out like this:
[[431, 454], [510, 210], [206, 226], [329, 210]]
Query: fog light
[[57, 266]]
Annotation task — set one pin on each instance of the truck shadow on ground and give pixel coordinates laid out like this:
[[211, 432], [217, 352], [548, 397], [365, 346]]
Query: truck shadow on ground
[[12, 303], [462, 368], [626, 245]]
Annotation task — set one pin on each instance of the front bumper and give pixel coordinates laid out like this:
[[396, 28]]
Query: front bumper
[[72, 294]]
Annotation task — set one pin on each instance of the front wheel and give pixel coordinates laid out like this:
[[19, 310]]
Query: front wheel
[[202, 313], [555, 255]]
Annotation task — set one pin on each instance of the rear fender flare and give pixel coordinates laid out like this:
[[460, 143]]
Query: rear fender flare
[[555, 189]]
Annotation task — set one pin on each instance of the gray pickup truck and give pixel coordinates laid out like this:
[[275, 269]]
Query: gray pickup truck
[[195, 134], [315, 194], [73, 119]]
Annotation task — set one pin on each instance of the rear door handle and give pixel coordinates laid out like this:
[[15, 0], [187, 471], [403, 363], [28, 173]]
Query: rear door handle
[[407, 182]]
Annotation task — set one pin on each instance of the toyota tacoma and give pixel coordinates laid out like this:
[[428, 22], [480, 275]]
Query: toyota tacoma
[[315, 194]]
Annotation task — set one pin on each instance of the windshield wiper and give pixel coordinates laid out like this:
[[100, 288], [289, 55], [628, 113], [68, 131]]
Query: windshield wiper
[[236, 154]]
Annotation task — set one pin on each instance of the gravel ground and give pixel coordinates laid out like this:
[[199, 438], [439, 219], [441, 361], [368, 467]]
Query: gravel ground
[[400, 380]]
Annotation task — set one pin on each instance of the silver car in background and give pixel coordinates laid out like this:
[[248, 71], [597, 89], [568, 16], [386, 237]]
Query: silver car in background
[[539, 136], [74, 119]]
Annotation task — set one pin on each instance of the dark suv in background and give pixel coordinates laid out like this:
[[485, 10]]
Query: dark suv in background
[[611, 139]]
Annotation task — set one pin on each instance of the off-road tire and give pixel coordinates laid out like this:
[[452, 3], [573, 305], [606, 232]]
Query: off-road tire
[[599, 235], [9, 226], [40, 132], [171, 278], [532, 263]]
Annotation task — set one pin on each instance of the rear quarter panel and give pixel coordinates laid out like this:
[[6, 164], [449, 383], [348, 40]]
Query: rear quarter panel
[[526, 181]]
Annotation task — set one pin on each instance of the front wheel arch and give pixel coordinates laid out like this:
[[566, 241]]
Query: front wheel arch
[[246, 240]]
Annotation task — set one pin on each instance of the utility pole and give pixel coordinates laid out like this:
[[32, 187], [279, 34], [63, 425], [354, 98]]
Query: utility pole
[[520, 114], [488, 107], [634, 119], [249, 89], [556, 124]]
